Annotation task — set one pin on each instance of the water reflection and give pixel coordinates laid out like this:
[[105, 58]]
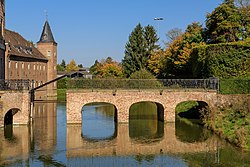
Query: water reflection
[[44, 126], [51, 142], [98, 122], [144, 123], [8, 132], [190, 131]]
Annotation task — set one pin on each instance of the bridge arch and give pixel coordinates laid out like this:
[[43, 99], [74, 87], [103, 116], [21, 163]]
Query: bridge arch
[[8, 117], [99, 122], [146, 121], [105, 103], [188, 124], [159, 109]]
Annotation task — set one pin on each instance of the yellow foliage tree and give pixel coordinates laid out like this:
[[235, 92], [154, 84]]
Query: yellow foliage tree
[[72, 66]]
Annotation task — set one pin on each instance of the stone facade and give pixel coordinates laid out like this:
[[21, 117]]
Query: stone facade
[[50, 51], [15, 100], [123, 100], [2, 43]]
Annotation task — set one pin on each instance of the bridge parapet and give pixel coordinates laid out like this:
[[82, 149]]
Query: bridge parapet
[[15, 84], [140, 84]]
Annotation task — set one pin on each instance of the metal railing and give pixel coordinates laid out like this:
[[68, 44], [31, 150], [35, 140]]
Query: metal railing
[[15, 84], [211, 84]]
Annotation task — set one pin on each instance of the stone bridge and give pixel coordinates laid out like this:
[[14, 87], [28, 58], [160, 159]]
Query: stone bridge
[[14, 103], [166, 101]]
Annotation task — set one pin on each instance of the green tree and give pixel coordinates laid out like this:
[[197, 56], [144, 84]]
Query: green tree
[[80, 65], [151, 39], [72, 66], [93, 68], [59, 67], [244, 11], [224, 24], [63, 64], [141, 44]]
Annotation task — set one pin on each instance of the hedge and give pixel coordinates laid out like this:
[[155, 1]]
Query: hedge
[[231, 60]]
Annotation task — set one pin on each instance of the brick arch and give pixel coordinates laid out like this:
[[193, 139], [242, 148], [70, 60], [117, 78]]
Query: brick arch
[[113, 136], [115, 114], [199, 134], [159, 108], [8, 116], [18, 100]]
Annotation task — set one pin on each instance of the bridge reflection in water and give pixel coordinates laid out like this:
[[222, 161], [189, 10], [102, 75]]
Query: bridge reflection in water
[[51, 142], [125, 145]]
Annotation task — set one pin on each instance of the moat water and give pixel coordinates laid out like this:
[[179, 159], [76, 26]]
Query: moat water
[[99, 141]]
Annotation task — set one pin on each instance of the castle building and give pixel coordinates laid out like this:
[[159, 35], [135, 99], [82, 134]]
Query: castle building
[[2, 44], [21, 60]]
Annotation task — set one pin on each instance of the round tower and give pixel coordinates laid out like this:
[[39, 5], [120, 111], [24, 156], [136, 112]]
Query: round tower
[[48, 47]]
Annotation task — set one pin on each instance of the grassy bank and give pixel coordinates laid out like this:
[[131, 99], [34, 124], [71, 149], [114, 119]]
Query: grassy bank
[[232, 122]]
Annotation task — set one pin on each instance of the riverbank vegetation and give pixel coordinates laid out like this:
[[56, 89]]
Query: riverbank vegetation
[[232, 122]]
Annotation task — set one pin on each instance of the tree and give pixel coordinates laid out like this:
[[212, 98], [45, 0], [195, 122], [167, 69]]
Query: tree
[[177, 54], [224, 24], [155, 62], [151, 39], [59, 67], [80, 65], [244, 11], [107, 68], [63, 63], [172, 35], [93, 68], [141, 44], [72, 66]]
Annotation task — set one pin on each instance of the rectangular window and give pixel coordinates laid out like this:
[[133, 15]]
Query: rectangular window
[[49, 53]]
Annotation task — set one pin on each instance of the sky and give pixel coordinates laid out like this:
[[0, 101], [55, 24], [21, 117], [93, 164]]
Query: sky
[[89, 30]]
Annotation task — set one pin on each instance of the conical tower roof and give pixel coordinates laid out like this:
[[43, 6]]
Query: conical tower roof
[[47, 35]]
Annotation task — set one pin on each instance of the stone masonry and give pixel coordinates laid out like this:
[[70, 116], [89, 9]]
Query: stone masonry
[[123, 100], [18, 100]]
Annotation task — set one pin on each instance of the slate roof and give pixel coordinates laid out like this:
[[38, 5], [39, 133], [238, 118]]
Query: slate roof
[[21, 47], [46, 35]]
